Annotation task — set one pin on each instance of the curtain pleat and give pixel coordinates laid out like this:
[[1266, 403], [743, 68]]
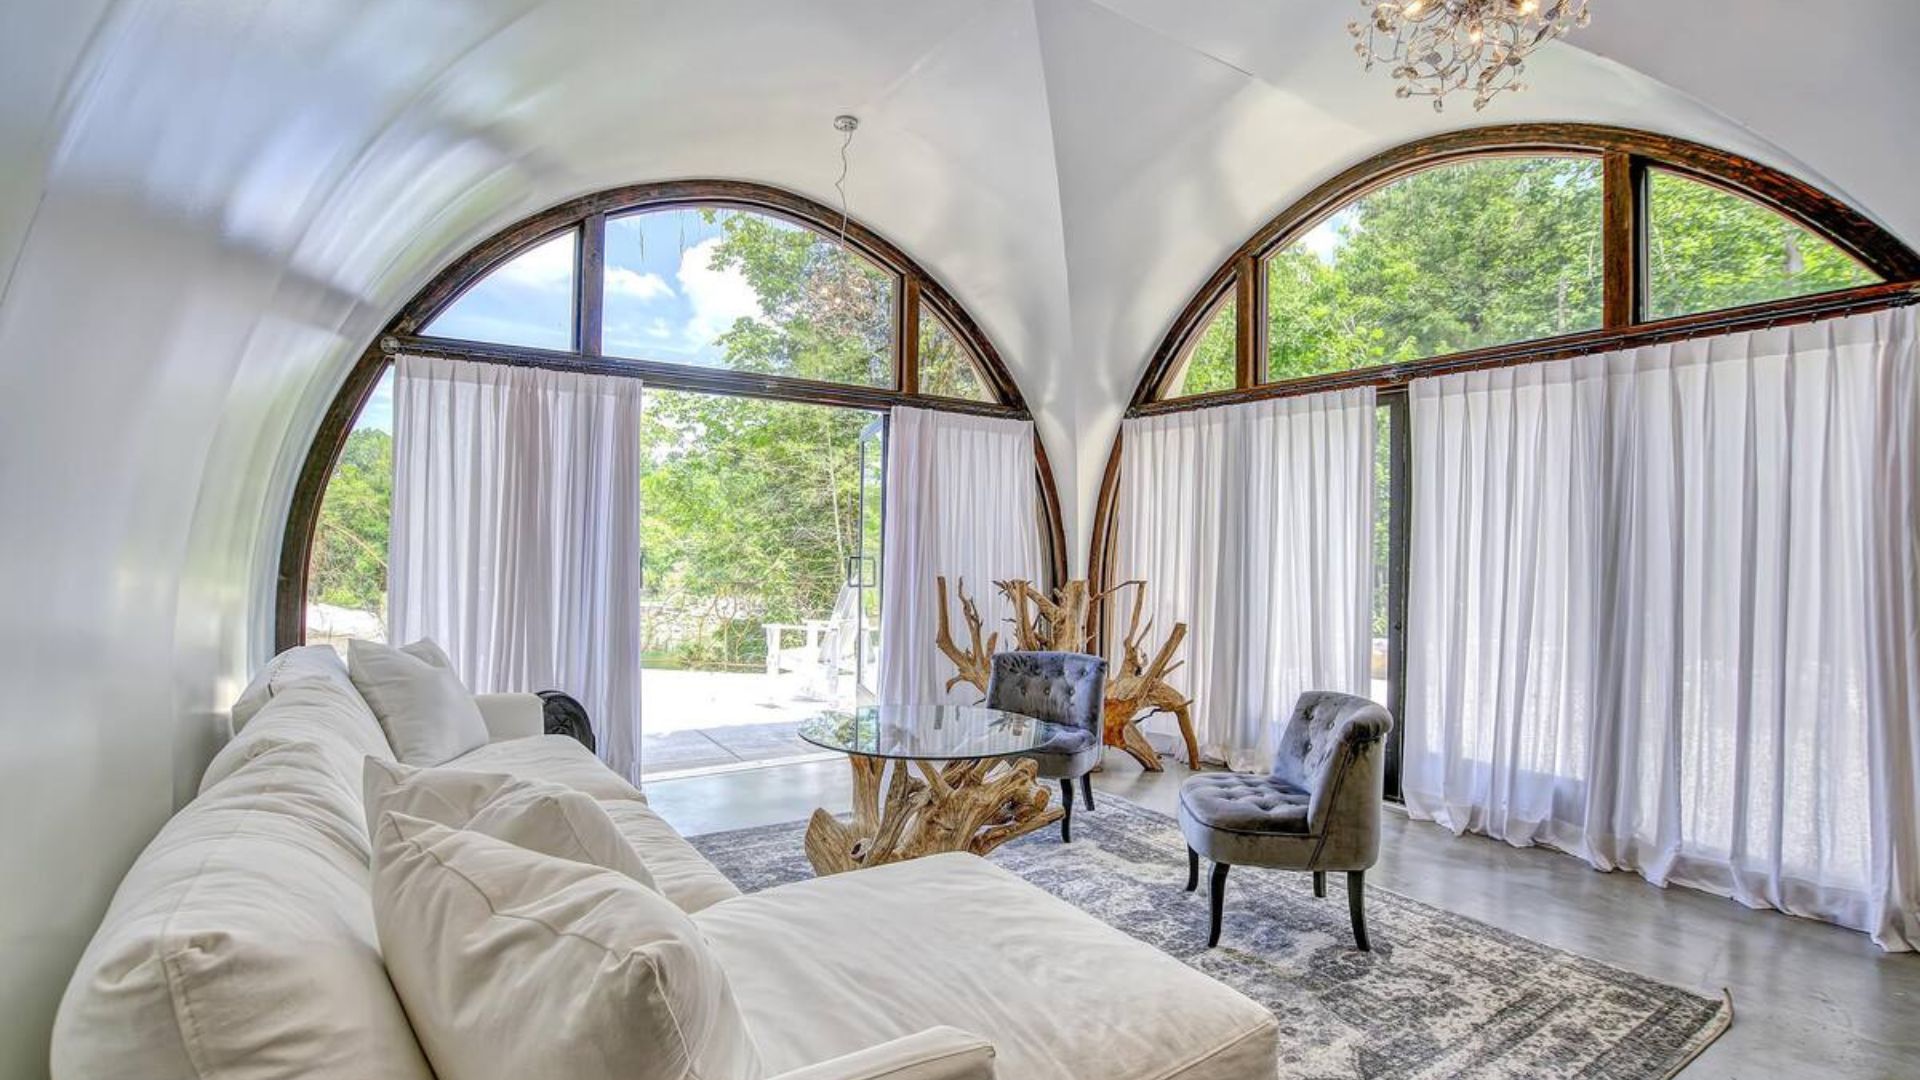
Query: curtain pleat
[[1252, 524], [959, 503], [1662, 614], [515, 539]]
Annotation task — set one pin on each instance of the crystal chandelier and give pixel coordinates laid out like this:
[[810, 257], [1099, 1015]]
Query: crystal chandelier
[[1439, 46]]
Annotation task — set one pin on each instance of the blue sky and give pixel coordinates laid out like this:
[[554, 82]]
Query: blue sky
[[664, 299]]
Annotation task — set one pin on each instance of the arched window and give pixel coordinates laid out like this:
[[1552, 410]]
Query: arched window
[[1506, 242], [1493, 247], [771, 335]]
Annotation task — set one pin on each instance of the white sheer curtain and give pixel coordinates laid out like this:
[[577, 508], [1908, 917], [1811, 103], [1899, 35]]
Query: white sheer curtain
[[1663, 614], [516, 533], [961, 502], [1253, 524]]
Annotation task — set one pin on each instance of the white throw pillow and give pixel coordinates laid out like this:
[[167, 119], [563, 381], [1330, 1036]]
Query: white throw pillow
[[534, 814], [427, 713], [512, 964]]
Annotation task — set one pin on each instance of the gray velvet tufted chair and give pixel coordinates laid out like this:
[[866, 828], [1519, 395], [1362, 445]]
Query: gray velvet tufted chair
[[1319, 809], [1066, 688]]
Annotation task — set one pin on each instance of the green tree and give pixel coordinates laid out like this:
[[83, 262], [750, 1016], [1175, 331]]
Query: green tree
[[1210, 363], [1709, 249], [752, 507], [1458, 257], [349, 565], [1502, 250]]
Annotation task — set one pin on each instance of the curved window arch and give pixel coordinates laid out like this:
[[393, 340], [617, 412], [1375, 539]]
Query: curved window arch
[[1497, 246], [697, 287], [1503, 242]]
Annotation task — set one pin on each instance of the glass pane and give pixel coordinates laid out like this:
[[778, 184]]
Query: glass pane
[[347, 572], [946, 366], [745, 291], [1458, 257], [1710, 249], [757, 616], [527, 301], [860, 625], [1209, 362]]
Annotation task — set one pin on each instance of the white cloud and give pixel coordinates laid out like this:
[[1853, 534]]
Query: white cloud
[[643, 287], [546, 267], [718, 298]]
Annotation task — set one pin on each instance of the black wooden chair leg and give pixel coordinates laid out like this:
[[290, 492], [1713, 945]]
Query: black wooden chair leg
[[1193, 869], [1216, 899], [1357, 905], [1086, 788], [1066, 803], [1320, 884]]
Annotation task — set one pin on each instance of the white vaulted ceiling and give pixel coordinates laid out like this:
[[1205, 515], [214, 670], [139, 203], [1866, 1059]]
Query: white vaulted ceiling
[[207, 209]]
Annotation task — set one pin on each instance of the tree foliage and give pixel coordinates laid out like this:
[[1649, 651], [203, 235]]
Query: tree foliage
[[349, 565], [945, 368], [1210, 363], [1708, 249], [752, 507], [1501, 250], [1458, 257]]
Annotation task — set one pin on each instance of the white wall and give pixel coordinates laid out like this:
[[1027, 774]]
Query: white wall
[[207, 209]]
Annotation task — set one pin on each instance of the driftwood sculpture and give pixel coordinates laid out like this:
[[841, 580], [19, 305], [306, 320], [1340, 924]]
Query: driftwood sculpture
[[950, 806], [1136, 688]]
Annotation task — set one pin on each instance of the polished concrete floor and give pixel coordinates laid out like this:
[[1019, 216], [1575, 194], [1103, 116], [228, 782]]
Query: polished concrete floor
[[1810, 1000]]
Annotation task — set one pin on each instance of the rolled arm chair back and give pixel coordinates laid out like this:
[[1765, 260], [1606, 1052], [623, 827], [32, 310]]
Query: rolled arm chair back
[[1334, 746], [1063, 687]]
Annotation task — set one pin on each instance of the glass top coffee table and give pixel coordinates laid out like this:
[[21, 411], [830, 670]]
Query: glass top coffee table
[[960, 780], [932, 732]]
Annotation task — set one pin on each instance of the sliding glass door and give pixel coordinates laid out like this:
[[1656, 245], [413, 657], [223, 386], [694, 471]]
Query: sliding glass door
[[761, 526]]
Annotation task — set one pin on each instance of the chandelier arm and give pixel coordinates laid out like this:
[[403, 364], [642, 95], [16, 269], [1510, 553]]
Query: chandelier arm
[[1435, 47]]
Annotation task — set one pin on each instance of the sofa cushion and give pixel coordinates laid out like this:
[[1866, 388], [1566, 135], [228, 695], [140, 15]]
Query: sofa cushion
[[241, 944], [682, 874], [294, 665], [533, 814], [1245, 804], [1061, 994], [514, 964], [427, 713], [557, 758], [327, 715]]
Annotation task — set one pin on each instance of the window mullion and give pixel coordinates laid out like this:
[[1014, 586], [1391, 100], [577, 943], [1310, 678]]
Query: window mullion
[[907, 364], [1622, 239], [590, 283], [1246, 323]]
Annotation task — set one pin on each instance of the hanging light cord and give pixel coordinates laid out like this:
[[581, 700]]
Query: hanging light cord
[[848, 125]]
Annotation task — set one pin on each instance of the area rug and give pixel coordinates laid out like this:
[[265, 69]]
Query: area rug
[[1439, 996]]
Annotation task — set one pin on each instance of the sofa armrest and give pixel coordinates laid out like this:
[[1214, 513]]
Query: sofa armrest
[[512, 716], [938, 1053]]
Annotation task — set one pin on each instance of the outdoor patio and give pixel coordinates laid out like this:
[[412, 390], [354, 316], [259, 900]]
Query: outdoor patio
[[699, 721]]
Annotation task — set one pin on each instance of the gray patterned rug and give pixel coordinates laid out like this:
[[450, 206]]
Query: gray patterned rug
[[1440, 996]]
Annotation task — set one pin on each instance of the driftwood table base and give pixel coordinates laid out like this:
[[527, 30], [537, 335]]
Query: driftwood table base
[[930, 807]]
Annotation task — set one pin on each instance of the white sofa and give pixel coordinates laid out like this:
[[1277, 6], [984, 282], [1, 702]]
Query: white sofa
[[241, 944]]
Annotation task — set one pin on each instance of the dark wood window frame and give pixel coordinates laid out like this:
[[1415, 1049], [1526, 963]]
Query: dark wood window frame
[[1625, 156], [587, 218]]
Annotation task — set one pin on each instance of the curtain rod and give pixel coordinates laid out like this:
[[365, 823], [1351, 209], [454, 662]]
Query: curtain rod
[[1767, 316], [667, 376]]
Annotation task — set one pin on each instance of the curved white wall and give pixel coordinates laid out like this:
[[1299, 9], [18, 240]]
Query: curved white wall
[[207, 209]]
